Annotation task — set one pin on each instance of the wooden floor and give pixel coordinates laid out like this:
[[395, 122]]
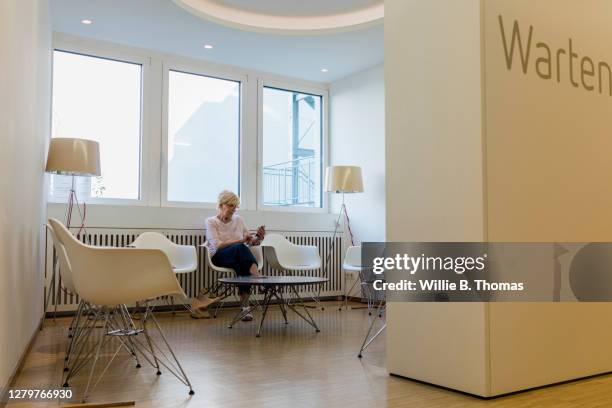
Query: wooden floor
[[289, 366]]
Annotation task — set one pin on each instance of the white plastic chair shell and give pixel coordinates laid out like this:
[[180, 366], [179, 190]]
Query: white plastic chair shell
[[183, 258], [113, 276], [352, 259], [282, 254], [64, 265]]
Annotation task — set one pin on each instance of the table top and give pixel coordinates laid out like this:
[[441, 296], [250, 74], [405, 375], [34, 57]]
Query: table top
[[274, 280]]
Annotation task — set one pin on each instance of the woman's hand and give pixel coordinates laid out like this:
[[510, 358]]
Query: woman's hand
[[254, 239], [261, 232]]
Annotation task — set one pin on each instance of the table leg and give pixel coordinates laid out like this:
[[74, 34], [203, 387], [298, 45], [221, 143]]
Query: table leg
[[308, 318], [270, 292], [281, 304]]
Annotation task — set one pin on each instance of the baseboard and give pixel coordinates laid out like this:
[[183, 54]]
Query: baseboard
[[5, 388], [178, 308]]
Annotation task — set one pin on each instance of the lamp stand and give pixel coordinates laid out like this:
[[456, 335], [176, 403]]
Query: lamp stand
[[72, 200], [343, 212]]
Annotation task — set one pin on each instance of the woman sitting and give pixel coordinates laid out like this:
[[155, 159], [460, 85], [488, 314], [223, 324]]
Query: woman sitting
[[227, 237]]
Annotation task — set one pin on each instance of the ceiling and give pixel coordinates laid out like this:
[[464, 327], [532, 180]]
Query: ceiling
[[299, 7], [289, 16], [164, 26]]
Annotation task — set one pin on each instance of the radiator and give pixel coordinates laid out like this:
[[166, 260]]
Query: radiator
[[203, 277]]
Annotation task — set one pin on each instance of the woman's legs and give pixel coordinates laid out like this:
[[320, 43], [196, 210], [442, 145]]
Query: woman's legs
[[240, 258], [247, 267]]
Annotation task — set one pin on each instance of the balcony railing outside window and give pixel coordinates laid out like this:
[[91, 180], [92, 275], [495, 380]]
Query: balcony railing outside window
[[291, 183]]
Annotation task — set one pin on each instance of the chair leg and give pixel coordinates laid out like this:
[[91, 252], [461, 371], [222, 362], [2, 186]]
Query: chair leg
[[149, 342], [163, 336], [73, 322], [220, 303], [131, 327], [366, 344], [79, 354], [367, 340], [74, 330], [98, 348], [227, 292], [316, 297], [346, 294], [173, 305], [58, 296]]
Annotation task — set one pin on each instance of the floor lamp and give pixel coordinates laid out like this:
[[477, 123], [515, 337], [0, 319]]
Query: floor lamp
[[71, 157], [342, 180]]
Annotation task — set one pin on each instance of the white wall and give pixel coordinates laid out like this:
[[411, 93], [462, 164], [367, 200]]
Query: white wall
[[433, 98], [25, 52], [548, 179], [452, 102], [434, 178], [357, 137]]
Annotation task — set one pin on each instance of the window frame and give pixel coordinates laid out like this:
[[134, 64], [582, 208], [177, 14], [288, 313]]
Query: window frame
[[155, 67], [262, 83], [202, 70], [114, 54]]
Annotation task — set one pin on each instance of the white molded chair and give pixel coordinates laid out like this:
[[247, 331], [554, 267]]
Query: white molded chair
[[64, 265], [111, 278], [352, 263], [227, 272], [83, 309], [284, 255], [60, 261], [183, 258]]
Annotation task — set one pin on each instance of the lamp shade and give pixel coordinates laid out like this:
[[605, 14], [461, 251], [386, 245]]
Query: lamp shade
[[73, 157], [343, 179]]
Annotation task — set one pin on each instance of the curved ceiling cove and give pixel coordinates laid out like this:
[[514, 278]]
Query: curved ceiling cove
[[289, 16]]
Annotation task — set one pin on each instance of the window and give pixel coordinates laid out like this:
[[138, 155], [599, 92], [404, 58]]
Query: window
[[175, 131], [99, 99], [203, 142], [292, 154]]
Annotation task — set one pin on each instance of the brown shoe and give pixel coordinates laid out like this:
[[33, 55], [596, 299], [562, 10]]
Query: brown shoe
[[203, 303]]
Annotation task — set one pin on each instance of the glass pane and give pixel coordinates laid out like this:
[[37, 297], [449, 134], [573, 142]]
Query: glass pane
[[99, 99], [203, 137], [292, 139]]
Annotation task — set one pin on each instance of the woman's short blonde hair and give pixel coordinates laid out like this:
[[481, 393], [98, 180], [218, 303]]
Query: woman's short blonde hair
[[227, 197]]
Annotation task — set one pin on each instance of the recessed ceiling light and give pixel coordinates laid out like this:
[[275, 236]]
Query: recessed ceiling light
[[324, 70], [86, 21], [208, 46]]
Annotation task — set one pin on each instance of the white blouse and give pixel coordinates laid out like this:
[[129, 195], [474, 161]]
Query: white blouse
[[219, 232]]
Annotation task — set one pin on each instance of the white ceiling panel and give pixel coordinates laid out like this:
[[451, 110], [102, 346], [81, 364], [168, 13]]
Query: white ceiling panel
[[161, 25]]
